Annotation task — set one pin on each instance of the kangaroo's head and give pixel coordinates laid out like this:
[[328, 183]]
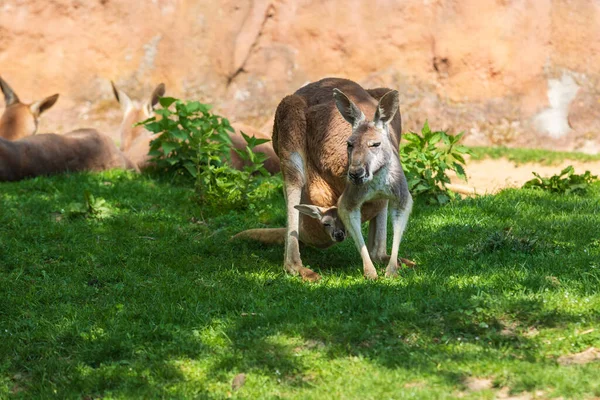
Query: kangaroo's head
[[328, 217], [134, 112], [369, 146], [19, 119]]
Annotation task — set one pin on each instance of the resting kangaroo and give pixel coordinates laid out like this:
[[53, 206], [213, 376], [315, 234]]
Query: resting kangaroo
[[135, 140], [47, 154], [355, 166], [19, 119]]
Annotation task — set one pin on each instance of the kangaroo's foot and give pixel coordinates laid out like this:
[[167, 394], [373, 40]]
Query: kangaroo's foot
[[307, 274], [392, 269], [370, 272], [407, 262], [385, 259]]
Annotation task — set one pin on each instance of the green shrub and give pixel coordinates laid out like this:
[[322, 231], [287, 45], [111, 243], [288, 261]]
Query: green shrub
[[194, 143], [91, 207], [426, 160], [564, 183]]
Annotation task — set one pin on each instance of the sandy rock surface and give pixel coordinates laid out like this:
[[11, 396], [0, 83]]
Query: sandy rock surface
[[505, 71]]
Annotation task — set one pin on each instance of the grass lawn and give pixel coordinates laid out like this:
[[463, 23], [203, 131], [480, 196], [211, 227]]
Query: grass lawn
[[153, 301], [524, 155]]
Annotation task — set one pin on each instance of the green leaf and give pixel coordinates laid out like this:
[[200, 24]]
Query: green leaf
[[166, 102], [168, 147]]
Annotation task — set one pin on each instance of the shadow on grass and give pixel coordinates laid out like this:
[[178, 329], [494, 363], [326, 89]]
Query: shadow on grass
[[152, 302]]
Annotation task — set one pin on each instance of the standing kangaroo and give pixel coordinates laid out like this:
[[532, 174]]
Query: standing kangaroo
[[20, 120], [326, 161]]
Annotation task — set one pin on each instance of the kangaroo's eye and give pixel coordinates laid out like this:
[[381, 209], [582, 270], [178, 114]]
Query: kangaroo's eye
[[350, 145], [326, 224], [374, 144]]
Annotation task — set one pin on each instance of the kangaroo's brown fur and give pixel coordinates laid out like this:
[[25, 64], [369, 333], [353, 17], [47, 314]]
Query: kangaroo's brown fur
[[47, 154], [135, 140], [19, 119], [309, 136]]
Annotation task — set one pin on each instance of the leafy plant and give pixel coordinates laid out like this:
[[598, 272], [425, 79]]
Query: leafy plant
[[195, 143], [190, 138], [426, 160], [91, 207], [564, 183]]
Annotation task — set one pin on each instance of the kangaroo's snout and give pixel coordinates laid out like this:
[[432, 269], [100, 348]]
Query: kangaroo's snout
[[339, 236], [357, 175]]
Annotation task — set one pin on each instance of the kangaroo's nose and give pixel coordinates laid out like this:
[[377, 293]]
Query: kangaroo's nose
[[356, 173], [339, 236]]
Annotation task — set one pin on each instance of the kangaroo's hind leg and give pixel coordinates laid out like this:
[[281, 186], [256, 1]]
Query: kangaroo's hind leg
[[289, 139]]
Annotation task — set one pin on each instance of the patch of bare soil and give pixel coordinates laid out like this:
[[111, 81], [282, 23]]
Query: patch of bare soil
[[476, 384], [584, 357], [490, 176]]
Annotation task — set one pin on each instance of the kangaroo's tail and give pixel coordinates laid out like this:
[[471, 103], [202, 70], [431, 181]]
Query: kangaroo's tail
[[266, 235]]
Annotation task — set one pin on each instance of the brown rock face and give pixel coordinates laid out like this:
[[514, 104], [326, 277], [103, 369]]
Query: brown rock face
[[506, 71]]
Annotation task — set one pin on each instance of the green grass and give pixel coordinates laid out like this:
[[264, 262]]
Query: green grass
[[524, 155], [153, 301]]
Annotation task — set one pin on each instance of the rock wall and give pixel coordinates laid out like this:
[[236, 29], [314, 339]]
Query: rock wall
[[515, 72]]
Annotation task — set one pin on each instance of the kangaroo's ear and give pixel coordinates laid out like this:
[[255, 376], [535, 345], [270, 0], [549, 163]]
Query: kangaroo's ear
[[387, 107], [10, 97], [40, 106], [122, 98], [347, 108], [157, 94], [311, 211]]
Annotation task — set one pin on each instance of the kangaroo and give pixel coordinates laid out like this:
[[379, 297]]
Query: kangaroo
[[47, 154], [20, 120], [326, 162], [319, 227], [135, 140]]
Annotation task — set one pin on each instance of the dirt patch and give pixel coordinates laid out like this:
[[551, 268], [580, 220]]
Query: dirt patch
[[584, 357], [490, 176], [477, 384]]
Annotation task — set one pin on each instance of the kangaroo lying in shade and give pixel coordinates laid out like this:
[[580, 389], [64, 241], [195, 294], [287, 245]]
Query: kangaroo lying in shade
[[47, 154], [135, 140]]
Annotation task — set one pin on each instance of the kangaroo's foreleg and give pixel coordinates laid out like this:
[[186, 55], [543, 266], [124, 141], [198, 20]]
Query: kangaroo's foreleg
[[351, 219], [377, 239], [399, 214]]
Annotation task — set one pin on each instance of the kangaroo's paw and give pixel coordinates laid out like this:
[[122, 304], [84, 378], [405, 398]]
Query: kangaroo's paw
[[309, 275], [385, 259], [407, 262], [391, 272], [370, 273]]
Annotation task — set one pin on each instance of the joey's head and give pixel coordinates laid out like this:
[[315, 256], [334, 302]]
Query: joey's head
[[369, 145], [329, 219], [134, 112], [19, 119]]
